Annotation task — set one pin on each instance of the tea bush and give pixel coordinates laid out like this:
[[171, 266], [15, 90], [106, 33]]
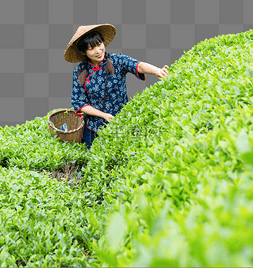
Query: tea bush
[[31, 146], [42, 222], [167, 183], [167, 155]]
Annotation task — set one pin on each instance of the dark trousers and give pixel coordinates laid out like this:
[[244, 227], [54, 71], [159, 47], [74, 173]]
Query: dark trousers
[[88, 136]]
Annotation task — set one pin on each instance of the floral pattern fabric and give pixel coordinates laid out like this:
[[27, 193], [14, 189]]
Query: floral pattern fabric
[[92, 93]]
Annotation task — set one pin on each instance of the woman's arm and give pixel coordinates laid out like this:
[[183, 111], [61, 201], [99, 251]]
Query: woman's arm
[[146, 68], [89, 110]]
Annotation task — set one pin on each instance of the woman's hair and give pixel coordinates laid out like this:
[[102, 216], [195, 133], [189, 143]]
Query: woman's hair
[[93, 39]]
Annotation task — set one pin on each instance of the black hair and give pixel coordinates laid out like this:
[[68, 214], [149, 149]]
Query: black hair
[[92, 39]]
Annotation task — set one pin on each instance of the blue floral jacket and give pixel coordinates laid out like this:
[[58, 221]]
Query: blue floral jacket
[[92, 93]]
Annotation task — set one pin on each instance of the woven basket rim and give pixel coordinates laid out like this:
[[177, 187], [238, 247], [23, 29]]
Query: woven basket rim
[[62, 131]]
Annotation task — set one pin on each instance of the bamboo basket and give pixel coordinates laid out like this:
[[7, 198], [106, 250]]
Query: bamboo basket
[[74, 123]]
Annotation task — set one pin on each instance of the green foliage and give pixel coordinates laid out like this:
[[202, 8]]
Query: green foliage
[[31, 146], [42, 222], [172, 160], [167, 183]]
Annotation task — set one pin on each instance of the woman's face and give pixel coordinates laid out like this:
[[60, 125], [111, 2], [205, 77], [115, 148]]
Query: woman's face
[[96, 54]]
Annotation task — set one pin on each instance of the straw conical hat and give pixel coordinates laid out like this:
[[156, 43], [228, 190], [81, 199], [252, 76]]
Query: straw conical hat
[[72, 54]]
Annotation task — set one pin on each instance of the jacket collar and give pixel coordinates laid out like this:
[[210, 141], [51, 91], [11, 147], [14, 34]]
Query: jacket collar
[[101, 64]]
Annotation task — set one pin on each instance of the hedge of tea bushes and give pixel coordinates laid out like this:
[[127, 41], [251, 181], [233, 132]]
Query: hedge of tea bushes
[[170, 169], [31, 146], [43, 222], [167, 183]]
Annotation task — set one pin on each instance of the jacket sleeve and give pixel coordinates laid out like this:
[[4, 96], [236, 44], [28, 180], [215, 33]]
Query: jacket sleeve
[[79, 97], [130, 65]]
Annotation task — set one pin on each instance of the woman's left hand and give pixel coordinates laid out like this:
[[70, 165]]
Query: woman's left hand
[[162, 72]]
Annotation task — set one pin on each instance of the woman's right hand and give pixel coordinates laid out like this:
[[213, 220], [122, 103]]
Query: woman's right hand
[[108, 117], [95, 112]]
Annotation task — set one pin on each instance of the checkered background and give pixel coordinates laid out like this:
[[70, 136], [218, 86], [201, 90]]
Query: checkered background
[[36, 79]]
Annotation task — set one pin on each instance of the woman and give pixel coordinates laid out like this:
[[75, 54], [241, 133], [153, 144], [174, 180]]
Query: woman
[[99, 81]]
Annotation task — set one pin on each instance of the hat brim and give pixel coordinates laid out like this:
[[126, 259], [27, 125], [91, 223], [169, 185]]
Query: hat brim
[[72, 54]]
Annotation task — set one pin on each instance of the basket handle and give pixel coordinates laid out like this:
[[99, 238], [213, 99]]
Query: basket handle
[[76, 123], [76, 120]]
